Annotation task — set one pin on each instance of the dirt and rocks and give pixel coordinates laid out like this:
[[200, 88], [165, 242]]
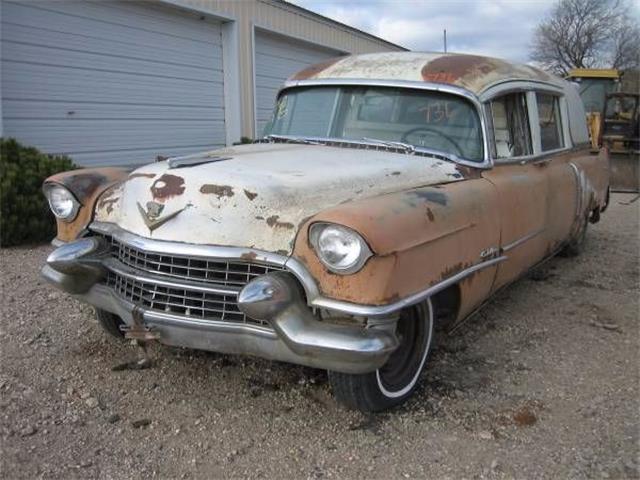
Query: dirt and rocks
[[542, 383]]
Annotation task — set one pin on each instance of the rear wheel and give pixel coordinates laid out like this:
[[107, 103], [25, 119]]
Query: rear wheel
[[110, 323], [394, 382]]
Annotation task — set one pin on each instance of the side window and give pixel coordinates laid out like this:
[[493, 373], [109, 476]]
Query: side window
[[551, 137], [511, 132]]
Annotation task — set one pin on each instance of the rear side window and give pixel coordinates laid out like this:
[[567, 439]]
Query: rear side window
[[550, 121], [511, 133]]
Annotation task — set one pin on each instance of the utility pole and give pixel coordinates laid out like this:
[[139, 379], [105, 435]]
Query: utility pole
[[445, 40]]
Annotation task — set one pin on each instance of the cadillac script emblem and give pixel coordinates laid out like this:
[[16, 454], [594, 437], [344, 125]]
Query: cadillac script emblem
[[151, 215]]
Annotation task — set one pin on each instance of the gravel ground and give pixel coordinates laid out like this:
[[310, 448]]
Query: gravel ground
[[543, 382]]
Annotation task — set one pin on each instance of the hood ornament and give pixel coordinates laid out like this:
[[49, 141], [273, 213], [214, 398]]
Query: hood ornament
[[151, 215]]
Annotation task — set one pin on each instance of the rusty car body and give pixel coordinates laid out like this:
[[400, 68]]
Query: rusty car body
[[391, 192]]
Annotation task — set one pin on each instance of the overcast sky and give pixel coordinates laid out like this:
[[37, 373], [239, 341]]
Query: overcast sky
[[499, 28]]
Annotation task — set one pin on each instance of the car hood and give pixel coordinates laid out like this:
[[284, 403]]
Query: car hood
[[258, 195]]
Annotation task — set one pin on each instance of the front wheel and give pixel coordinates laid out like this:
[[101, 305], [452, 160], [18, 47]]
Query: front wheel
[[394, 382]]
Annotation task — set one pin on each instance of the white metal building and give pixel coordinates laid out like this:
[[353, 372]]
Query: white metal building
[[119, 82]]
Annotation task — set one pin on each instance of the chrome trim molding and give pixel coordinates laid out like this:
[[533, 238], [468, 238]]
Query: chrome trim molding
[[487, 161], [521, 240], [579, 188], [187, 249], [383, 310]]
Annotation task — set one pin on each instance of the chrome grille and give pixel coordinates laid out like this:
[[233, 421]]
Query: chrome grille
[[179, 299], [218, 271]]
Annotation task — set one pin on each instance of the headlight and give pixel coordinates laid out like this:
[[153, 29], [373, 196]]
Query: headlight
[[339, 248], [62, 202]]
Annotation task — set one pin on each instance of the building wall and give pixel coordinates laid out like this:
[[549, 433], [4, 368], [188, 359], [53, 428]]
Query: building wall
[[286, 19]]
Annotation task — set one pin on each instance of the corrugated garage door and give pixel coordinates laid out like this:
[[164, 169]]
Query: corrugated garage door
[[277, 58], [111, 83]]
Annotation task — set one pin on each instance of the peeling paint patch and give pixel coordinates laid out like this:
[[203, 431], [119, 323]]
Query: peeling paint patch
[[274, 222], [167, 186], [217, 190], [250, 195], [427, 195], [249, 256], [430, 215], [108, 203], [468, 172]]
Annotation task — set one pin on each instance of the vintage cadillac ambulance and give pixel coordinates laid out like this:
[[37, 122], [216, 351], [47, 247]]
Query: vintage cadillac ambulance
[[391, 192]]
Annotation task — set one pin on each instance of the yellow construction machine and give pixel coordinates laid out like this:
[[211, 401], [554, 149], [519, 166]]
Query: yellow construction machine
[[612, 118]]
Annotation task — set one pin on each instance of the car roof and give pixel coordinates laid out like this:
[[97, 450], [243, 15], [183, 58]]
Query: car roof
[[474, 73]]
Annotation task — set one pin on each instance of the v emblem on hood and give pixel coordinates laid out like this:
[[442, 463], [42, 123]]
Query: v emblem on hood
[[151, 216]]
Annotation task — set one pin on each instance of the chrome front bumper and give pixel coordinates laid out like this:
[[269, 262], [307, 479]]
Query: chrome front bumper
[[293, 333]]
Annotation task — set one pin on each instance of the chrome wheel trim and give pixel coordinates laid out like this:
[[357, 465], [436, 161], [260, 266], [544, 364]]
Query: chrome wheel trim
[[407, 388]]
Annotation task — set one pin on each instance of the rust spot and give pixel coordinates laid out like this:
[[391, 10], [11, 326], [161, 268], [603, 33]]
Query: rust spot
[[282, 252], [249, 256], [273, 222], [313, 70], [217, 190], [450, 68], [452, 270], [144, 175], [468, 172], [84, 184], [250, 195], [430, 215], [167, 186], [428, 195]]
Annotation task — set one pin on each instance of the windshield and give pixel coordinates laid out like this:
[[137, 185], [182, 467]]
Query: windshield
[[433, 120]]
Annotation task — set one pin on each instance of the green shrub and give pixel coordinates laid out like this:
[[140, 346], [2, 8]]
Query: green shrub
[[24, 212], [243, 141]]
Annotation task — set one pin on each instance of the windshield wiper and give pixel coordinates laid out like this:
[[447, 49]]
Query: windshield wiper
[[291, 139], [407, 147]]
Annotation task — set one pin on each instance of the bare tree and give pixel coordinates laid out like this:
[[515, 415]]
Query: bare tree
[[587, 34]]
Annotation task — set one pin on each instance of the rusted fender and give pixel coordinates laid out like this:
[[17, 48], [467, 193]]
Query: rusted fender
[[419, 237], [86, 184]]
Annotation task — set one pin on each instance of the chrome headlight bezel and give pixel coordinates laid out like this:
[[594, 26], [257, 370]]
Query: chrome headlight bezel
[[49, 189], [315, 232]]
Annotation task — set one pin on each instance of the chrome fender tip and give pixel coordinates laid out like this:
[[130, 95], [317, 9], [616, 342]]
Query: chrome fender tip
[[268, 295]]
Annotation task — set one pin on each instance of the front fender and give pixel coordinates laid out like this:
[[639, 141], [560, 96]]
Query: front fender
[[419, 237], [86, 184]]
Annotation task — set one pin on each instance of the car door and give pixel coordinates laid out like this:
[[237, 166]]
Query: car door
[[553, 147], [522, 184]]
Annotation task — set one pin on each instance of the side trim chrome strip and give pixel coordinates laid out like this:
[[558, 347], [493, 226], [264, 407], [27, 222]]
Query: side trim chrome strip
[[521, 240], [382, 310]]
